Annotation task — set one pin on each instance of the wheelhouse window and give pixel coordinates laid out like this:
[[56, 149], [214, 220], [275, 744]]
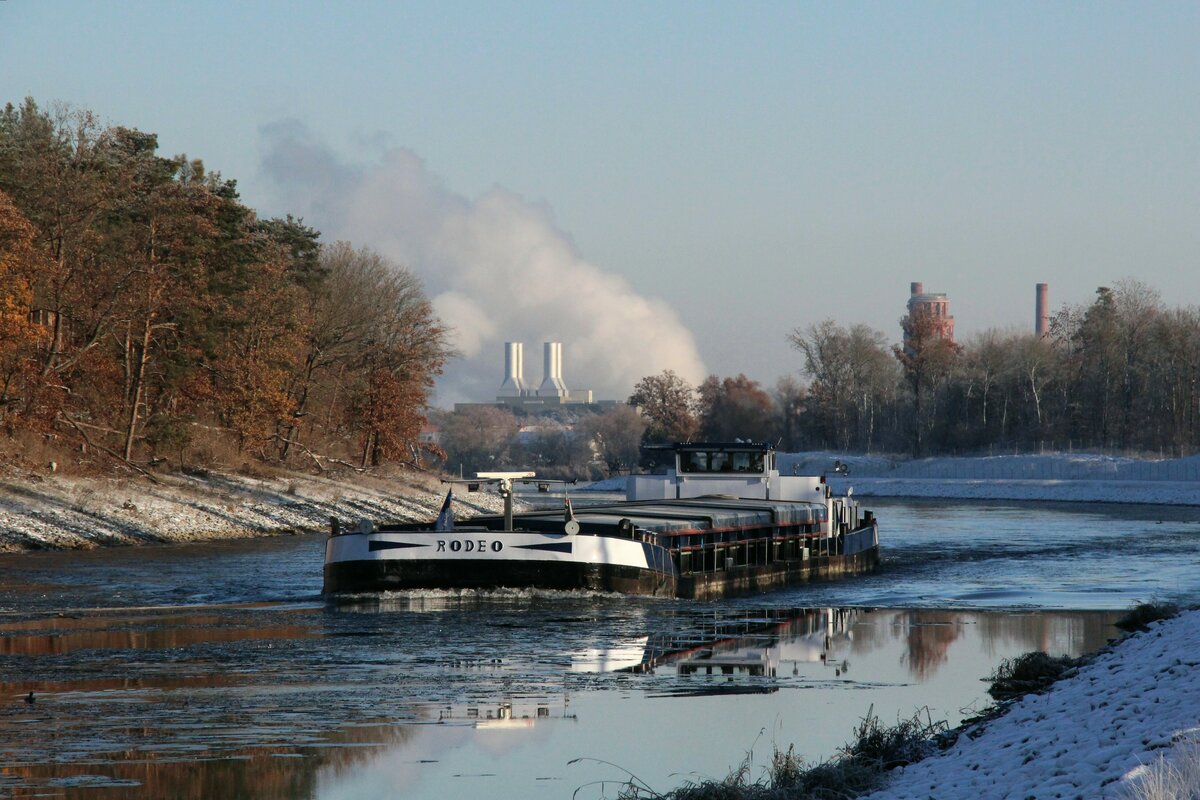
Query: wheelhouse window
[[721, 462], [746, 462]]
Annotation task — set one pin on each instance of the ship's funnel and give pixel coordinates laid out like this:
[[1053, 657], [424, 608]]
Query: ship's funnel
[[552, 384], [514, 370]]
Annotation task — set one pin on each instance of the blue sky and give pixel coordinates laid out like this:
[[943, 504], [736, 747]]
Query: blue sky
[[743, 168]]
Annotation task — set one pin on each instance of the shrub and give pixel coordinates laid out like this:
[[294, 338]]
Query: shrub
[[1028, 674], [1140, 616]]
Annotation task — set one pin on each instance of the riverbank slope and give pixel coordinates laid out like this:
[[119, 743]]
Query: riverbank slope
[[52, 511], [1055, 477], [1126, 719]]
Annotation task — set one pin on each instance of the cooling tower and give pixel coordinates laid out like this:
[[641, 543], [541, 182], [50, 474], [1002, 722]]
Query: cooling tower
[[514, 369], [552, 384]]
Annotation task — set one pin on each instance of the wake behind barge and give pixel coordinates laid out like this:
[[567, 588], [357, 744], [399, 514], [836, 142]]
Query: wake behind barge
[[724, 522]]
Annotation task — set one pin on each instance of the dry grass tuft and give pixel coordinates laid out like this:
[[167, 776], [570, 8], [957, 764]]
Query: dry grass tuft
[[1174, 775], [1028, 674], [1141, 616], [859, 767]]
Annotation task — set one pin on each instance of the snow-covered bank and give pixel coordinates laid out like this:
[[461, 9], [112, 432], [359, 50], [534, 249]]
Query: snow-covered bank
[[1093, 735], [1042, 466], [1051, 477], [1087, 491], [1060, 477], [55, 511]]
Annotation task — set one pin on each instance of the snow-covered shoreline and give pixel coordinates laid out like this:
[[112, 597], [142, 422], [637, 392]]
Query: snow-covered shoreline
[[54, 512], [1132, 708], [1168, 493], [1058, 477]]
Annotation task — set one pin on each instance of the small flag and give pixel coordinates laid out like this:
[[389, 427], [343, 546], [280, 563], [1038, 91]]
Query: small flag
[[445, 520], [569, 511]]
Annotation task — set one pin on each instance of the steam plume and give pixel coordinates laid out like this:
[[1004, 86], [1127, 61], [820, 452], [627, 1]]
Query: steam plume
[[496, 268]]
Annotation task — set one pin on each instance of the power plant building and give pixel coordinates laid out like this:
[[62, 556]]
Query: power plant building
[[552, 393]]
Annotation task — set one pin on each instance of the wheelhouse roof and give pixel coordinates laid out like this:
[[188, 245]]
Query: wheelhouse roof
[[714, 447]]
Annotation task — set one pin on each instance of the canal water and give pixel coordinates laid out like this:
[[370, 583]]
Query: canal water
[[217, 670]]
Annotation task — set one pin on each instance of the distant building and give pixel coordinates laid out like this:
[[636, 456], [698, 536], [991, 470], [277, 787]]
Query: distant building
[[932, 306], [1041, 312], [551, 395], [430, 434]]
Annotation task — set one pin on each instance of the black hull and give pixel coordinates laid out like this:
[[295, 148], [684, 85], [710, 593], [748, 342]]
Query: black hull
[[394, 575], [756, 580], [352, 577]]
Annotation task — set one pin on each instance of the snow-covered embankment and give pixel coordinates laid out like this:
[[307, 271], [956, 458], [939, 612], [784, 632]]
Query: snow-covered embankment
[[1093, 735], [1051, 477], [55, 511]]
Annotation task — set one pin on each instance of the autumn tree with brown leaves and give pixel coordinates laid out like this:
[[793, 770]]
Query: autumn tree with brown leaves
[[736, 408], [668, 403], [146, 312], [19, 264]]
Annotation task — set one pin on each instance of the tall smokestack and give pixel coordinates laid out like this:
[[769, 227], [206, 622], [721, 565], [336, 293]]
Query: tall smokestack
[[916, 287], [1041, 320], [514, 370], [552, 384]]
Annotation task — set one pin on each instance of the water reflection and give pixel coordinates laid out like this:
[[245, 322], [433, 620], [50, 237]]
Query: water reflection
[[758, 643], [422, 693], [65, 635], [281, 771]]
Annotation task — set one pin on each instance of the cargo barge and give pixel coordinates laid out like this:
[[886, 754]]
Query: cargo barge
[[723, 522]]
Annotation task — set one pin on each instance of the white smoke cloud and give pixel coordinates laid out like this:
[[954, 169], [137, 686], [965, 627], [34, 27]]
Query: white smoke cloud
[[496, 268]]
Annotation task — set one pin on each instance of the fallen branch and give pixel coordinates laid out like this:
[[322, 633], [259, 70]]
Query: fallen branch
[[110, 453], [318, 458]]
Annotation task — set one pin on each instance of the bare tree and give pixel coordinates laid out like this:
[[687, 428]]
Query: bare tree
[[478, 437], [927, 357], [853, 377], [617, 436]]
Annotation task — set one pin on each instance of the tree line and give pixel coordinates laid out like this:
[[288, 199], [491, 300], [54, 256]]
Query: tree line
[[1119, 374], [148, 315]]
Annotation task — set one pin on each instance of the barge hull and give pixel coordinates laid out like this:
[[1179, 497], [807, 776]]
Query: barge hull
[[391, 575], [394, 575], [753, 580]]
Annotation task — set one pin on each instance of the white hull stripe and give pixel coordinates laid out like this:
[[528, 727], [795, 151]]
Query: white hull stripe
[[491, 546]]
